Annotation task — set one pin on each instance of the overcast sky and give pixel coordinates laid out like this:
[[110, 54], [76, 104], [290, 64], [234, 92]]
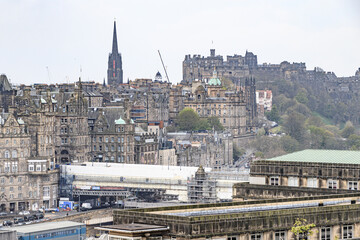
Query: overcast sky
[[45, 41]]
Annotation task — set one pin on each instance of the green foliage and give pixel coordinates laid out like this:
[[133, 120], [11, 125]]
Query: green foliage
[[348, 130], [302, 96], [302, 229], [294, 126], [320, 137], [203, 124], [187, 119], [237, 152], [227, 84], [314, 121], [289, 144], [259, 155], [273, 115], [353, 142], [215, 124]]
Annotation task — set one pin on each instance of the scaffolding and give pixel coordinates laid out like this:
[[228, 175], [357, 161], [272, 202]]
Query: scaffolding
[[201, 189]]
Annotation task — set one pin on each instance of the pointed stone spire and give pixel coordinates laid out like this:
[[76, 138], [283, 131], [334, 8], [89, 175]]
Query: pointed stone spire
[[114, 44]]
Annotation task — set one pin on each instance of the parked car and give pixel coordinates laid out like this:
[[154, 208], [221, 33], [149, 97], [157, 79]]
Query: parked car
[[38, 216], [19, 220], [29, 218], [7, 223], [24, 213], [3, 213]]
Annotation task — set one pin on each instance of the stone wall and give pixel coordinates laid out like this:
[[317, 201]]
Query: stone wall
[[243, 191]]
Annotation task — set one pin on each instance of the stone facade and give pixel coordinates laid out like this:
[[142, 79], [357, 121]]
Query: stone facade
[[115, 72], [112, 137], [304, 174], [27, 181], [332, 221]]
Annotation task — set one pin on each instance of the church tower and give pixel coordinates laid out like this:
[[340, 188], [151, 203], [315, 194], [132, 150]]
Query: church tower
[[115, 72]]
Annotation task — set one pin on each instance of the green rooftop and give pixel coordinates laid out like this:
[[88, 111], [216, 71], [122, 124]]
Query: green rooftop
[[321, 156]]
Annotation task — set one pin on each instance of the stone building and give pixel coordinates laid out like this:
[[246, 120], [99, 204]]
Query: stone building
[[263, 101], [146, 147], [7, 93], [27, 181], [115, 71], [212, 100], [331, 169], [71, 131], [111, 136], [334, 217], [202, 189]]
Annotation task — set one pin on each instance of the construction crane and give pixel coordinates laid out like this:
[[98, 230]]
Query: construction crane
[[167, 77]]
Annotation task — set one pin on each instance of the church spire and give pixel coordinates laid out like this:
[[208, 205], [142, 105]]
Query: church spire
[[114, 45]]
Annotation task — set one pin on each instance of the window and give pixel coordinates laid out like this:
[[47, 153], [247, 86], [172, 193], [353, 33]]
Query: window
[[352, 185], [280, 235], [14, 167], [106, 139], [100, 139], [347, 231], [38, 168], [20, 195], [112, 158], [274, 181], [325, 233], [232, 238], [106, 148], [256, 236], [118, 140], [112, 139], [7, 154], [312, 182], [94, 147], [11, 189], [11, 180], [122, 129], [100, 129], [112, 148], [2, 180], [31, 168], [332, 184], [30, 194], [122, 140], [19, 179], [7, 167], [293, 181], [46, 191], [14, 154]]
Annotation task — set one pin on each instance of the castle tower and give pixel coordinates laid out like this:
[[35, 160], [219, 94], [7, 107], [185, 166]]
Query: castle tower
[[115, 72]]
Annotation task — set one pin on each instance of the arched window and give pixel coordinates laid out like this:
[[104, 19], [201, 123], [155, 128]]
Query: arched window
[[14, 154], [7, 154]]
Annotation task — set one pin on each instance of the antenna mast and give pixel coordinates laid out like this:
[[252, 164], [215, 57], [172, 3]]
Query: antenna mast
[[164, 66]]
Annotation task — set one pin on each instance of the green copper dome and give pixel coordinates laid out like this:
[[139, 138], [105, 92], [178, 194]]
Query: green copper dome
[[214, 80], [120, 121]]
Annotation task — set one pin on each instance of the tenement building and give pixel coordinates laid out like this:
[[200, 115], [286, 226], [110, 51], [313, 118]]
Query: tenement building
[[330, 217], [112, 135], [27, 181]]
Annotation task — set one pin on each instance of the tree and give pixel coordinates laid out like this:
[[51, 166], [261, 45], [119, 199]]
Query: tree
[[289, 144], [273, 115], [302, 96], [320, 137], [348, 130], [203, 125], [187, 119], [294, 126], [301, 229], [214, 122]]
